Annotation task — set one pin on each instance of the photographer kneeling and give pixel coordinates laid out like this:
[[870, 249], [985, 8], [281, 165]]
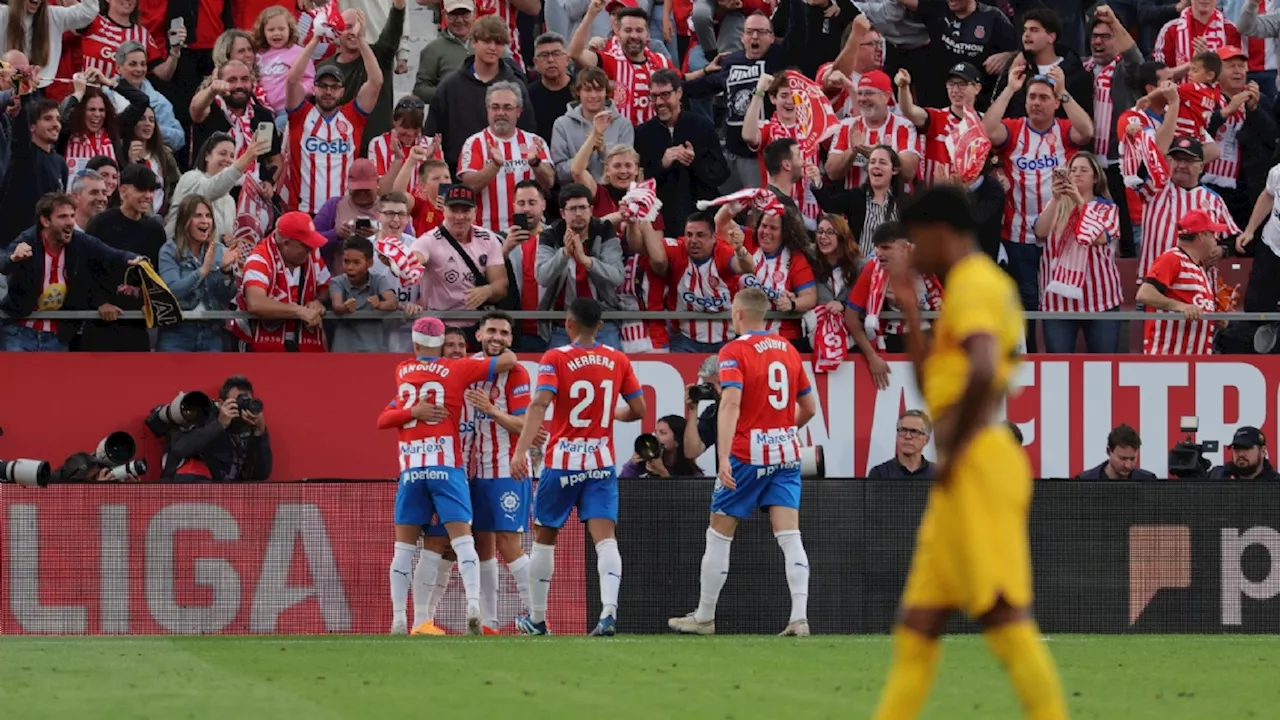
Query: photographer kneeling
[[700, 429], [661, 454], [230, 445]]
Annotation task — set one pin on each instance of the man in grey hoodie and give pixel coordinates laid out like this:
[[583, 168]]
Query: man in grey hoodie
[[571, 130], [577, 243]]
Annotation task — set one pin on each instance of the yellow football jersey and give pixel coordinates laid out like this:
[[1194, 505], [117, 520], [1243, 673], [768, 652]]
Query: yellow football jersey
[[979, 298]]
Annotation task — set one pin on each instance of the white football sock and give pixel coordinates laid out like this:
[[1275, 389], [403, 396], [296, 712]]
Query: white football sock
[[609, 567], [469, 567], [444, 571], [489, 592], [401, 575], [520, 573], [715, 570], [797, 563], [542, 563], [424, 583]]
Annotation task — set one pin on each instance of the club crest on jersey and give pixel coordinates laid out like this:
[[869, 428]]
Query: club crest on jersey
[[342, 125], [510, 502], [979, 32], [495, 393]]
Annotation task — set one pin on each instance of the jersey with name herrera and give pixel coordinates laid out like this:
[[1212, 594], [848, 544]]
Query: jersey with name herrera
[[438, 381], [769, 372], [586, 383]]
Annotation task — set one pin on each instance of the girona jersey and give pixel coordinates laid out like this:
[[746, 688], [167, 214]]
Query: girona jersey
[[380, 152], [800, 192], [1101, 277], [1179, 277], [587, 383], [1161, 209], [631, 83], [778, 273], [1225, 171], [439, 381], [935, 166], [321, 150], [706, 286], [768, 371], [1029, 158], [1196, 103], [495, 202], [897, 132], [104, 37], [489, 448]]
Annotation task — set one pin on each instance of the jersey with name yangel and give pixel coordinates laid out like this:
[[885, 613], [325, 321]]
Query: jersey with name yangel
[[438, 381], [770, 374], [587, 383]]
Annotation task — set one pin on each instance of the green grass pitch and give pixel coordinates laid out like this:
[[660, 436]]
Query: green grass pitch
[[651, 677]]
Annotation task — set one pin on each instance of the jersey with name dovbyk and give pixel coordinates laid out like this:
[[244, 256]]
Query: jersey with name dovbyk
[[488, 446], [587, 383], [770, 374], [438, 381]]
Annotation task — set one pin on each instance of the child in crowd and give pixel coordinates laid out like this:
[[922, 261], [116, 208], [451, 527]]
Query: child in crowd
[[433, 176], [1198, 95], [275, 38], [359, 289]]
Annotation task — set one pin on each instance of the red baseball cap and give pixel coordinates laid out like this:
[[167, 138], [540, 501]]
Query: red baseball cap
[[1198, 221], [1230, 52], [363, 175], [613, 5], [876, 80], [299, 226]]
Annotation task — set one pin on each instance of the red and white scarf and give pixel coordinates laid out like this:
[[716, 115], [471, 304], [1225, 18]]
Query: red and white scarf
[[1140, 149], [640, 202], [83, 148], [761, 199], [969, 147], [830, 339], [260, 94], [880, 289], [325, 21], [1215, 35], [241, 128], [1103, 111], [254, 217], [401, 262], [1069, 248], [269, 336]]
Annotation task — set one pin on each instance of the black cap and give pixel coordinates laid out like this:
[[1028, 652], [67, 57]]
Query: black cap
[[1247, 437], [965, 71], [330, 71], [460, 195], [140, 177], [1187, 146]]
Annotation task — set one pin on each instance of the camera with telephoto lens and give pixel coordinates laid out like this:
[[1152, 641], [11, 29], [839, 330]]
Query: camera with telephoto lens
[[648, 448], [1187, 458], [188, 409], [117, 448], [31, 473], [131, 471], [249, 404], [703, 391]]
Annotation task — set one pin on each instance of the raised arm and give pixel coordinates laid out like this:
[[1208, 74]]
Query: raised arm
[[907, 103], [367, 97], [295, 93], [578, 51]]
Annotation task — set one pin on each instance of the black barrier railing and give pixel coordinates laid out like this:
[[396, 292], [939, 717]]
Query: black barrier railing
[[1184, 557]]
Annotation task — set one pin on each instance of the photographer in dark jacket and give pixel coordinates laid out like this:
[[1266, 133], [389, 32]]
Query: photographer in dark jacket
[[231, 446], [700, 428], [1248, 458]]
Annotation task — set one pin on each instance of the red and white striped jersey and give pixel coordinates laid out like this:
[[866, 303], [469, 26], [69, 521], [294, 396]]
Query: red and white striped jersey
[[1261, 51], [706, 286], [83, 148], [504, 10], [489, 447], [104, 37], [439, 381], [53, 290], [586, 382], [769, 372], [1179, 277], [641, 289], [897, 132], [631, 83], [495, 202], [1175, 44], [800, 192], [1101, 277], [380, 152], [935, 166], [1225, 171], [844, 102], [1161, 209], [1196, 103], [321, 150], [778, 273], [1029, 158]]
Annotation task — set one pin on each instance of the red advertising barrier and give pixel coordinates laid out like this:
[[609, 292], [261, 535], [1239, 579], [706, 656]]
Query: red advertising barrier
[[249, 558], [321, 409]]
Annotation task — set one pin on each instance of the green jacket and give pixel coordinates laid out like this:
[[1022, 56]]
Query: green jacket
[[439, 58]]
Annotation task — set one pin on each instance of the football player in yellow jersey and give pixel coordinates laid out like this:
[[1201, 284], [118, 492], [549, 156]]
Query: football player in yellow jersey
[[972, 551]]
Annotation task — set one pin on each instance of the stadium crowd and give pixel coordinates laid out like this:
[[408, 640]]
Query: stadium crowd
[[656, 157]]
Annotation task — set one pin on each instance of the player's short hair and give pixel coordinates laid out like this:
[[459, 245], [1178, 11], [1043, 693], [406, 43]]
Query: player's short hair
[[776, 152], [530, 184], [586, 312], [922, 415], [1123, 436], [455, 330], [889, 232], [941, 205], [491, 28], [781, 82], [752, 302], [1210, 61], [496, 315]]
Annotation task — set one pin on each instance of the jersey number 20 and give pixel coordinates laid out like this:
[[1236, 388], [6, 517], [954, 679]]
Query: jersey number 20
[[431, 393], [587, 392]]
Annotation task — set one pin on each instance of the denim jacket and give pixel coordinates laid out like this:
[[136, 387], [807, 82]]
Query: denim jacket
[[182, 275]]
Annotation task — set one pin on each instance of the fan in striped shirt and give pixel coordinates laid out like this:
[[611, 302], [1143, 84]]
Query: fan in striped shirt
[[1178, 283], [631, 68]]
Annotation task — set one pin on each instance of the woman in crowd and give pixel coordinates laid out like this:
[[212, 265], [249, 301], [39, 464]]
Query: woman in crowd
[[780, 245], [199, 272], [578, 128], [147, 147], [216, 174], [35, 29], [90, 126], [621, 168], [835, 264], [671, 463], [275, 38], [1080, 227], [238, 44], [875, 203]]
